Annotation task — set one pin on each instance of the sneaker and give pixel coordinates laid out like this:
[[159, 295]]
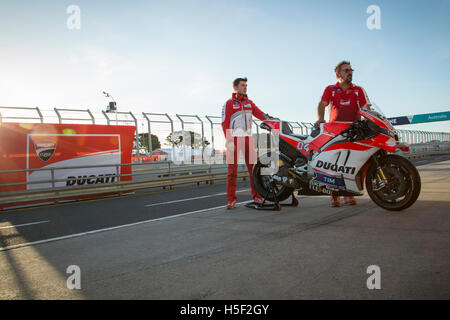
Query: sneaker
[[231, 205], [335, 202], [350, 200]]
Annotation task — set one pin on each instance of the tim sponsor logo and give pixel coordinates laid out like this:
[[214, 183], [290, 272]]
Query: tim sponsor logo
[[92, 179]]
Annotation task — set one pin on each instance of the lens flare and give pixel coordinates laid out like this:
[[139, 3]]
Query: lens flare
[[68, 131]]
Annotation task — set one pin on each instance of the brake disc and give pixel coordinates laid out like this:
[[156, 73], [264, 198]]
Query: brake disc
[[396, 186]]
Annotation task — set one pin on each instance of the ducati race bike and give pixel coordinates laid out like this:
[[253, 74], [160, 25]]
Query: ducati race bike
[[337, 159]]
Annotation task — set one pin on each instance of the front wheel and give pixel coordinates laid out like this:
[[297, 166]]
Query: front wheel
[[401, 187]]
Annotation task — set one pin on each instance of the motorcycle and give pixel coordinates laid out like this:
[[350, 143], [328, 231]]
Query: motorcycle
[[336, 159]]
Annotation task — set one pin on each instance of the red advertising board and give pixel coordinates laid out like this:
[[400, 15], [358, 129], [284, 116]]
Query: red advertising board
[[42, 146]]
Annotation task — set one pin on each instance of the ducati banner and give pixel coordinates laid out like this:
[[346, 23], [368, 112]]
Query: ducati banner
[[66, 149]]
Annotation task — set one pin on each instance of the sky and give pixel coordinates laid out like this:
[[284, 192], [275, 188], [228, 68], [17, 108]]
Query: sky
[[182, 56]]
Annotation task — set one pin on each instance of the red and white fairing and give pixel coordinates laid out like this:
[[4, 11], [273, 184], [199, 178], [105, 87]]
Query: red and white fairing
[[335, 161]]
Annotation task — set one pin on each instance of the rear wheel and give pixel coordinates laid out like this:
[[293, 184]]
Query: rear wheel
[[262, 182], [401, 188]]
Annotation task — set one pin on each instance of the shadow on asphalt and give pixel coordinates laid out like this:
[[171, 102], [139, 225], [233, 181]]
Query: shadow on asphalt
[[422, 209]]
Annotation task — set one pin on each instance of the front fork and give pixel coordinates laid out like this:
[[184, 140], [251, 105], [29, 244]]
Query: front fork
[[381, 180]]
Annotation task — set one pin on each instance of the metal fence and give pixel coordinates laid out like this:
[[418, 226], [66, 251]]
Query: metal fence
[[162, 173], [153, 175], [207, 129]]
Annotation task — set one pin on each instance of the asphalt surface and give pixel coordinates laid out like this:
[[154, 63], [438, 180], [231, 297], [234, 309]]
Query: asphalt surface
[[168, 245], [51, 221]]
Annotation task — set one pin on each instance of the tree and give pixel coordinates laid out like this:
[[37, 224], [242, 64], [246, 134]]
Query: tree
[[143, 141], [194, 139]]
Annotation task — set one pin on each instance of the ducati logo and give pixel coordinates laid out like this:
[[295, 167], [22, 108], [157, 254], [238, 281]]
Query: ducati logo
[[45, 149], [335, 167]]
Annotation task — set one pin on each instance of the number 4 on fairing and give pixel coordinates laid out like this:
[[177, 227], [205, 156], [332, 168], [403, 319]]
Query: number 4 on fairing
[[302, 146]]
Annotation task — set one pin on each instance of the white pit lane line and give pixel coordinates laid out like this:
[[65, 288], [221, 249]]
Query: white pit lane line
[[195, 198], [26, 244], [24, 224]]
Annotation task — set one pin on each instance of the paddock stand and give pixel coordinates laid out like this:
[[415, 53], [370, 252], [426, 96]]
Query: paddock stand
[[276, 206]]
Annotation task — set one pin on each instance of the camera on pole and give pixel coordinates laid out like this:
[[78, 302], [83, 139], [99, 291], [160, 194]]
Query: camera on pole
[[112, 106]]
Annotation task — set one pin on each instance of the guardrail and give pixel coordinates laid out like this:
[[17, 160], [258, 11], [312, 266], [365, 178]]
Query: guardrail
[[164, 174], [145, 175], [118, 188], [167, 168], [138, 169], [15, 197], [165, 127]]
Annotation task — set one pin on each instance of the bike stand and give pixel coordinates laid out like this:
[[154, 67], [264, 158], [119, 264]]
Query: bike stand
[[264, 206], [276, 206]]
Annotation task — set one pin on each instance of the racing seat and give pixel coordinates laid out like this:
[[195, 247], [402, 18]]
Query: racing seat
[[299, 136], [313, 134]]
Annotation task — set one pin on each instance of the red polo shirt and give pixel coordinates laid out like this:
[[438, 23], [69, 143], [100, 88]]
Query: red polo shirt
[[345, 105]]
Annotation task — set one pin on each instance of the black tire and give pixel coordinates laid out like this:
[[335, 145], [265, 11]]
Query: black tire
[[403, 187], [261, 183]]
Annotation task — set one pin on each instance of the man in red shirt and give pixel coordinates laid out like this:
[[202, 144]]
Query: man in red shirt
[[345, 99], [237, 127]]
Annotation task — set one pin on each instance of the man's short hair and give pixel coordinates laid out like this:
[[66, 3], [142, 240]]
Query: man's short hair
[[340, 64], [238, 80]]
